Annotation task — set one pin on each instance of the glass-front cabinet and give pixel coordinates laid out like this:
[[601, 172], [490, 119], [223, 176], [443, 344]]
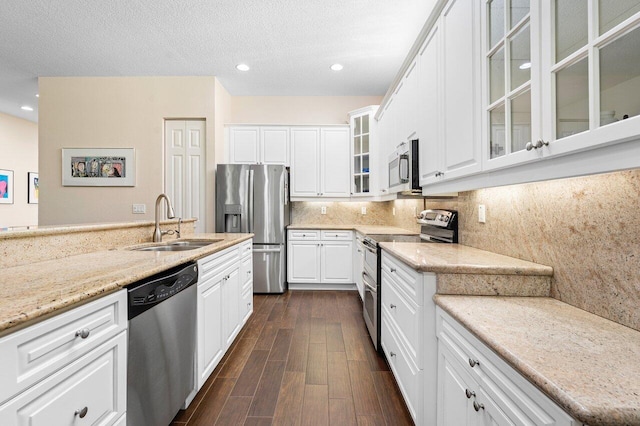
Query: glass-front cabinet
[[362, 138], [559, 76]]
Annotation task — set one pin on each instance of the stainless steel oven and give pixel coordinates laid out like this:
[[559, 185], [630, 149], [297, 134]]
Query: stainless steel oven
[[438, 226]]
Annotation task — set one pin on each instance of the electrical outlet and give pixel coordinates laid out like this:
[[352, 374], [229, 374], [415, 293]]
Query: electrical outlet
[[139, 208], [323, 210], [482, 213], [393, 211], [363, 210]]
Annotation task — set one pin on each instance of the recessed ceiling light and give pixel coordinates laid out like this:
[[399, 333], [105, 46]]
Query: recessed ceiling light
[[37, 95], [336, 67], [525, 66], [242, 67], [26, 108]]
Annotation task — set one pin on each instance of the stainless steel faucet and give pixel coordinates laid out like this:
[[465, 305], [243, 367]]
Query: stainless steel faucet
[[157, 233]]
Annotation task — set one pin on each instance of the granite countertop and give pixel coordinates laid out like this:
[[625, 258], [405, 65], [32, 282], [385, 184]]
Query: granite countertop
[[38, 289], [586, 364], [459, 259], [363, 229]]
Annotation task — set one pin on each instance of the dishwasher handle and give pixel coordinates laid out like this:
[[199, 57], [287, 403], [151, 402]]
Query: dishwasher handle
[[149, 292]]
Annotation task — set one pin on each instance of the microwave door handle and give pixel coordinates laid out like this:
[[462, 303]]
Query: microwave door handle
[[404, 160]]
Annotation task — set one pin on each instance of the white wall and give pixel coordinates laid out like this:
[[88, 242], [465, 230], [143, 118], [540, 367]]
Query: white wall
[[18, 152], [122, 112]]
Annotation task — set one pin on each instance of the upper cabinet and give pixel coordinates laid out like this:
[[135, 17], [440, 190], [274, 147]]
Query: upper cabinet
[[559, 75], [258, 145], [365, 172], [320, 160]]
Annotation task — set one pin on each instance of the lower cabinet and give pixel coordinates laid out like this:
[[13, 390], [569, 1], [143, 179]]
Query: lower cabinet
[[55, 375], [225, 302], [320, 259], [358, 264], [476, 387]]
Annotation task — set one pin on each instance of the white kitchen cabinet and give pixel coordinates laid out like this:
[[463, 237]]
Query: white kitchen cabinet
[[358, 263], [476, 387], [51, 370], [258, 145], [365, 170], [320, 162], [221, 304], [320, 259]]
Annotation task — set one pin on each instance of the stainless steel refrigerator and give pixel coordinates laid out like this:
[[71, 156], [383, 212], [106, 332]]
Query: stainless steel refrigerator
[[255, 199]]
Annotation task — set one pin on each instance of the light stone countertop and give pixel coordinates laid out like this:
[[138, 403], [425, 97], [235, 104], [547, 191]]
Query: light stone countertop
[[363, 229], [587, 364], [459, 259], [36, 290]]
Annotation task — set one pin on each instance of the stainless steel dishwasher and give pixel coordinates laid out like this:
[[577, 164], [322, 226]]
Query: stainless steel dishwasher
[[162, 345]]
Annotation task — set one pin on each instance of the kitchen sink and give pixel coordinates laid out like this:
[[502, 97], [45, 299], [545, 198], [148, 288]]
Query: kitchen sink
[[178, 245]]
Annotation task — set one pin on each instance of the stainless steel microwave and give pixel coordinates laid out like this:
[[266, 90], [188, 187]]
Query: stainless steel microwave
[[404, 166]]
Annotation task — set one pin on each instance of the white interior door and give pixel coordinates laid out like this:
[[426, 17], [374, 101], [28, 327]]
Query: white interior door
[[185, 168]]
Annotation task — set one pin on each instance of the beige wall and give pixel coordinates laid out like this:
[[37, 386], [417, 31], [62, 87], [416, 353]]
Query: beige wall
[[18, 152], [296, 109], [119, 112]]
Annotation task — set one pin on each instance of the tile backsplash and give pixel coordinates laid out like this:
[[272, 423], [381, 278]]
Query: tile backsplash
[[586, 228]]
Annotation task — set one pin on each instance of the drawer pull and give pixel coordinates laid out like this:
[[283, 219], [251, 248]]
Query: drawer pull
[[477, 406], [82, 412], [393, 354], [84, 333], [392, 306], [469, 393], [249, 304], [473, 362], [392, 269], [248, 272]]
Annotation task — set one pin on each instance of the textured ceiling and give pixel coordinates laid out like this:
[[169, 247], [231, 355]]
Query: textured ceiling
[[289, 44]]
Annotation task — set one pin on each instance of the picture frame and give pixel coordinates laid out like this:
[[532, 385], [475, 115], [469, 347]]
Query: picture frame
[[98, 167], [33, 188], [6, 186]]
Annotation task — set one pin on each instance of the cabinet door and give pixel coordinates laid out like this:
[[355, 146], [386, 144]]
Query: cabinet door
[[274, 145], [305, 162], [411, 102], [461, 95], [211, 345], [429, 111], [335, 159], [303, 259], [454, 408], [243, 145], [337, 266], [231, 320]]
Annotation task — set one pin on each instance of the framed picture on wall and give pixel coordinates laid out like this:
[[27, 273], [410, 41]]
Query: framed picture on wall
[[98, 167], [6, 186], [33, 188]]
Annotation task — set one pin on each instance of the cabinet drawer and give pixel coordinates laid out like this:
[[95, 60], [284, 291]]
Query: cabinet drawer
[[96, 382], [246, 271], [246, 248], [406, 373], [304, 235], [29, 355], [246, 304], [409, 281], [406, 317], [214, 263], [337, 235]]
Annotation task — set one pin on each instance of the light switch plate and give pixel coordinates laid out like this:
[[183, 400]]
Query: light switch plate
[[482, 213], [323, 210], [364, 210], [393, 211], [139, 208]]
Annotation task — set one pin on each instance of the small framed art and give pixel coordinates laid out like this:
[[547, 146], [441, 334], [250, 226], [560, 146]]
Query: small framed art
[[33, 188], [98, 167], [6, 186]]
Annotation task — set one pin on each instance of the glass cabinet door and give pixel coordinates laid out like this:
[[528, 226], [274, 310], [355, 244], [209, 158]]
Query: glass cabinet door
[[508, 63], [595, 64], [361, 153]]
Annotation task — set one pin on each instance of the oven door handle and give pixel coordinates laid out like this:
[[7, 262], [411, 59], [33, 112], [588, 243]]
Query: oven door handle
[[366, 282]]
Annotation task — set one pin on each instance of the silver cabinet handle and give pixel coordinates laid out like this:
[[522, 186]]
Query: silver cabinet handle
[[469, 393], [392, 354], [529, 146], [392, 306], [248, 272], [81, 412], [473, 362], [84, 333], [540, 143], [249, 304], [477, 406], [392, 269]]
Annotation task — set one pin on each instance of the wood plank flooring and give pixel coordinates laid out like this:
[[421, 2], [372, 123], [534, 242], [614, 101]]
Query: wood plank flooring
[[303, 358]]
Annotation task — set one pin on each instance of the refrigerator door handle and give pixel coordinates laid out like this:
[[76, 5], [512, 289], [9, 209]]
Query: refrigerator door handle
[[267, 250], [250, 200]]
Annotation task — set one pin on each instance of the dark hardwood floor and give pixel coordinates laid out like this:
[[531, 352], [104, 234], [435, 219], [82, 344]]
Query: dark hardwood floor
[[303, 358]]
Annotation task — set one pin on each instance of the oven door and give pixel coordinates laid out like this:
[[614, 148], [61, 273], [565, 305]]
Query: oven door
[[370, 306]]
